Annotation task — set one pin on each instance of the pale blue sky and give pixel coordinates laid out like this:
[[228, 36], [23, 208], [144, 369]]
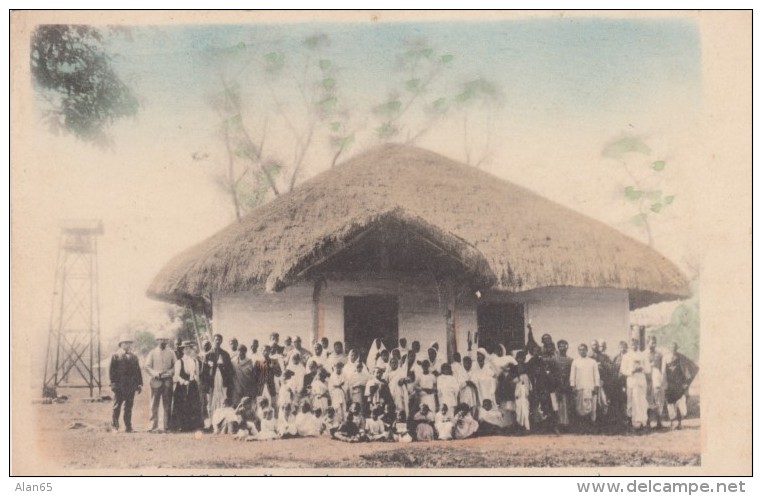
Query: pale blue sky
[[570, 68]]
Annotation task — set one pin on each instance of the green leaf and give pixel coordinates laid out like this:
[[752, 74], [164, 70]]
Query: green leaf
[[412, 84], [669, 199], [440, 104], [316, 41], [328, 83], [335, 126], [628, 144], [445, 59], [639, 219], [632, 194], [426, 52], [653, 195], [389, 109], [656, 207], [659, 165], [328, 104], [386, 130], [325, 64], [274, 61]]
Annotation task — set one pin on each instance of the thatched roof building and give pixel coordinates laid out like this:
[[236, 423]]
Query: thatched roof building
[[504, 235], [399, 240]]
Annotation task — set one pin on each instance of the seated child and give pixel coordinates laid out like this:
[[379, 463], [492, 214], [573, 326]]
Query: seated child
[[375, 428], [349, 431], [225, 420], [443, 423], [424, 429], [266, 427], [465, 424], [246, 418], [307, 425], [286, 427], [400, 433], [330, 423], [492, 421]]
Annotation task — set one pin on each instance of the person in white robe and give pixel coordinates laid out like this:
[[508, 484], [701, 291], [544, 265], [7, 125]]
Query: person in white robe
[[356, 384], [396, 377], [484, 376], [375, 351], [635, 366], [319, 394], [337, 390], [426, 387], [585, 380], [447, 387], [468, 393]]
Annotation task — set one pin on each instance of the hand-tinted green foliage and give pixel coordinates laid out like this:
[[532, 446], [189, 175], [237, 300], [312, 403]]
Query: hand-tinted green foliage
[[643, 194], [421, 68], [75, 75], [683, 328]]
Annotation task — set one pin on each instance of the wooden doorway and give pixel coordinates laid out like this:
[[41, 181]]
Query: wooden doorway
[[500, 323], [369, 317]]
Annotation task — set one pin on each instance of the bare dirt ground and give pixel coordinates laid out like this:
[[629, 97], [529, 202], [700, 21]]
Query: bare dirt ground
[[76, 435]]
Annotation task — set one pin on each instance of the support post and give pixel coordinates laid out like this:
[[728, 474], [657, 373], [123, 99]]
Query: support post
[[450, 319], [318, 315]]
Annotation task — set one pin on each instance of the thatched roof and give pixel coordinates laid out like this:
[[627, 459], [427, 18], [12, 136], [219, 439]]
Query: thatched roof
[[505, 235]]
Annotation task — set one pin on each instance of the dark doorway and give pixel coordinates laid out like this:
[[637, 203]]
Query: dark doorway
[[500, 323], [369, 317]]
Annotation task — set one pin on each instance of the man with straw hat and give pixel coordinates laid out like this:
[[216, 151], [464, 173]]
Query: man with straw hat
[[125, 379], [160, 366]]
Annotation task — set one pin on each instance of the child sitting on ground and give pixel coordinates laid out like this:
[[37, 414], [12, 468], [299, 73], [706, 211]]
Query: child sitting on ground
[[246, 418], [400, 433], [286, 427], [307, 425], [225, 420], [424, 429], [330, 422], [266, 427], [375, 428], [443, 423]]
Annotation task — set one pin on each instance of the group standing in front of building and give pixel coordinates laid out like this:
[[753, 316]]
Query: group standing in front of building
[[402, 393]]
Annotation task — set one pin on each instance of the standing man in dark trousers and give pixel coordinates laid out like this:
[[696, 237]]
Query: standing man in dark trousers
[[125, 379], [160, 365]]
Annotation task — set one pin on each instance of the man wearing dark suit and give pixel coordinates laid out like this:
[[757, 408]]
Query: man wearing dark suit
[[125, 379], [217, 362]]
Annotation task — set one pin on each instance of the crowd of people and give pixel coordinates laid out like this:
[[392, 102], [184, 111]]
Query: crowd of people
[[403, 394]]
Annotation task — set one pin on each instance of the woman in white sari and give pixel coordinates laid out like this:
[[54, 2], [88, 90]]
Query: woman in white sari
[[396, 377], [295, 365], [374, 353], [351, 365], [356, 384], [484, 376]]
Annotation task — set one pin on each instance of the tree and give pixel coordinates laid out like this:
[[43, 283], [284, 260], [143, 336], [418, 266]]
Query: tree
[[483, 95], [684, 328], [297, 93], [75, 77], [644, 192], [421, 67]]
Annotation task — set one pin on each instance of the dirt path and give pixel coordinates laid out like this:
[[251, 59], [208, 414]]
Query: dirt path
[[91, 446]]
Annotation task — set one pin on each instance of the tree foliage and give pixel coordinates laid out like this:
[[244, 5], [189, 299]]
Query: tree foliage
[[76, 78], [644, 193], [683, 328]]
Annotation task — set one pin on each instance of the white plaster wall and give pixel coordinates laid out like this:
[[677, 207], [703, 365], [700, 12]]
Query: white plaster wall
[[575, 314]]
